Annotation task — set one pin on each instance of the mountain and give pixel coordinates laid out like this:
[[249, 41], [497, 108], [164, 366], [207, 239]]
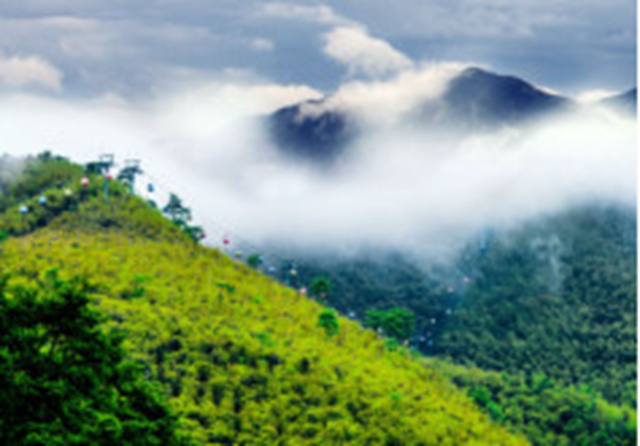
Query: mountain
[[626, 102], [478, 99], [549, 297], [318, 136], [475, 100], [240, 358], [236, 356]]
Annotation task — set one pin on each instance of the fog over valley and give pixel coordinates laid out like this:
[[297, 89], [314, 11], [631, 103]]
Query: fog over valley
[[401, 181]]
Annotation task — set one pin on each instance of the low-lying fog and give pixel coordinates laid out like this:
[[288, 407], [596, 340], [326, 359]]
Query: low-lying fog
[[396, 188]]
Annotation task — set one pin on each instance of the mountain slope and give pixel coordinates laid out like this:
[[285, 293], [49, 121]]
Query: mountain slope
[[545, 411], [242, 359], [557, 297], [478, 99]]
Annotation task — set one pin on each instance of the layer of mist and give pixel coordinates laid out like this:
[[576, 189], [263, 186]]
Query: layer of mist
[[399, 188]]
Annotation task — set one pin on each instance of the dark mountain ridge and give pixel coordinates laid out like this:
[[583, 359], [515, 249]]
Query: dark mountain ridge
[[480, 100], [475, 100]]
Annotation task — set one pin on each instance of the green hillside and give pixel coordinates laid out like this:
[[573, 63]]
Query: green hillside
[[557, 296], [241, 359], [547, 412], [235, 356]]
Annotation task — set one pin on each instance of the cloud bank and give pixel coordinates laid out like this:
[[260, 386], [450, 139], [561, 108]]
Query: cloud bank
[[400, 189], [384, 103]]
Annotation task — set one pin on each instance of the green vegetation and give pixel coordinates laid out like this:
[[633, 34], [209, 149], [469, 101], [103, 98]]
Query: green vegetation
[[397, 323], [320, 287], [63, 380], [556, 297], [254, 260], [253, 366], [180, 216], [239, 358], [28, 179], [176, 211], [549, 414], [379, 281], [328, 320]]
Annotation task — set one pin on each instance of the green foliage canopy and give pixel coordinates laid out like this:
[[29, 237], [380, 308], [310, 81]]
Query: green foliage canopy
[[397, 322], [65, 381], [320, 287]]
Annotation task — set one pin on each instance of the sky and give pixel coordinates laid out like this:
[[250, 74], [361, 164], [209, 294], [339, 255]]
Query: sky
[[137, 48]]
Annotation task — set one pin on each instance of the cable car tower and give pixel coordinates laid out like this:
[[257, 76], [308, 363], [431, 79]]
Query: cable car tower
[[128, 173], [102, 166]]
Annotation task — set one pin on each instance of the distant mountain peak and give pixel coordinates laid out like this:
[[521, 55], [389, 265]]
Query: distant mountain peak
[[475, 100], [478, 99], [320, 136]]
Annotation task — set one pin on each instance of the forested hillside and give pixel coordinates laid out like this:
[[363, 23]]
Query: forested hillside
[[229, 356], [557, 296], [241, 359]]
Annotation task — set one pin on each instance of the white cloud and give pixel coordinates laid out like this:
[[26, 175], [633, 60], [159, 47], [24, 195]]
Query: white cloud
[[204, 110], [549, 90], [18, 71], [592, 96], [363, 54], [321, 14], [274, 96], [402, 189], [383, 103]]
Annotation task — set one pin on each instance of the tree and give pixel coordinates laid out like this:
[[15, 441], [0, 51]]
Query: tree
[[254, 260], [63, 380], [178, 213], [196, 233], [320, 287], [397, 323], [328, 319]]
